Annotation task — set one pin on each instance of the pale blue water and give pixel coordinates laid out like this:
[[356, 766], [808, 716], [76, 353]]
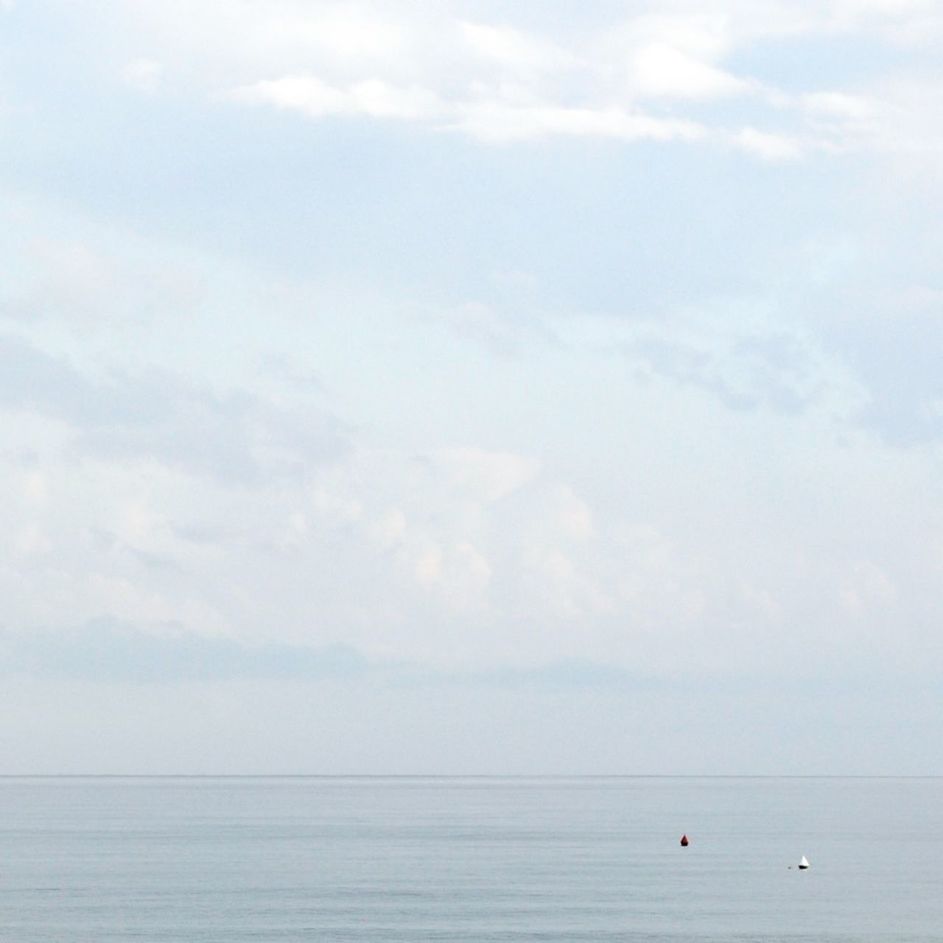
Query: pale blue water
[[427, 859]]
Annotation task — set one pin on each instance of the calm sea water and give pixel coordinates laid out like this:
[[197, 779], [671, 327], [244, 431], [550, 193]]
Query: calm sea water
[[427, 859]]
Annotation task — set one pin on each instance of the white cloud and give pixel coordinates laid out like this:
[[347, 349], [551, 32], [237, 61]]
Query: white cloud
[[838, 104], [342, 32], [866, 588], [316, 99], [145, 75], [429, 566], [902, 117], [301, 93], [336, 507], [499, 123], [633, 77], [702, 36], [30, 541], [664, 71], [768, 146], [484, 118], [35, 488], [389, 529], [514, 49], [571, 593], [459, 574], [574, 515], [241, 36], [485, 475], [93, 286]]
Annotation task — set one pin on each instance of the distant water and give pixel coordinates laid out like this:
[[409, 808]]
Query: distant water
[[439, 859]]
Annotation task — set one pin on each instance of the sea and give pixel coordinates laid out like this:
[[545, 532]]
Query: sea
[[484, 859]]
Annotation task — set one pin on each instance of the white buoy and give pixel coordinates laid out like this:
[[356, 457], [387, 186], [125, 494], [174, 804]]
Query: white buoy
[[804, 863]]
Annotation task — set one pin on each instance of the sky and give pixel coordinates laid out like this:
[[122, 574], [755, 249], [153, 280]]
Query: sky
[[471, 387]]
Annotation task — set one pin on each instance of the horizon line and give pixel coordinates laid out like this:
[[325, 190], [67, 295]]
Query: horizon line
[[457, 776]]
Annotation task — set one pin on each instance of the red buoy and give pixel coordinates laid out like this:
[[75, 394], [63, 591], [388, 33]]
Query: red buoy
[[684, 841]]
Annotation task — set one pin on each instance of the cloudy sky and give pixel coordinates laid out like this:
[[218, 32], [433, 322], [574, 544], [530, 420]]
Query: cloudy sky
[[471, 386]]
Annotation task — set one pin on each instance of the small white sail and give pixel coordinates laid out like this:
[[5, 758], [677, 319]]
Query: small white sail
[[803, 863]]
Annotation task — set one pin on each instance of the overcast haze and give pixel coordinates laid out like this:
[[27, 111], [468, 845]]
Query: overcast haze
[[471, 387]]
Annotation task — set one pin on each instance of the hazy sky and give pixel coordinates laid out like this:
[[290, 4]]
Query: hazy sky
[[471, 387]]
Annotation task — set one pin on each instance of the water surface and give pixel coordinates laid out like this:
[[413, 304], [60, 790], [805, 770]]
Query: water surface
[[469, 859]]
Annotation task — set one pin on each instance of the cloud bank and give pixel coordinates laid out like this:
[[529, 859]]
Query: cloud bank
[[408, 382]]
